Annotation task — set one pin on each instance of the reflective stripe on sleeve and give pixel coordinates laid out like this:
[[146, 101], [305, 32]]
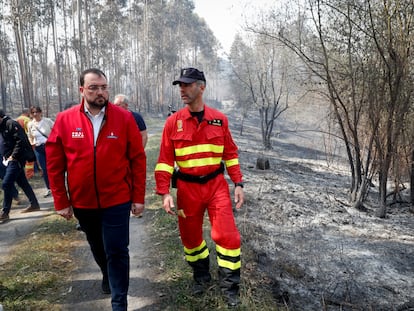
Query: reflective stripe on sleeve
[[232, 162], [162, 167]]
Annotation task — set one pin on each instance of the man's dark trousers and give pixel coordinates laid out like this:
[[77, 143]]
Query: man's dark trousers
[[107, 231], [14, 172], [15, 192]]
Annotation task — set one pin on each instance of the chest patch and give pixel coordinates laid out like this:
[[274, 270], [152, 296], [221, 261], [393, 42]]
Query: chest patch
[[215, 122], [112, 136], [78, 133]]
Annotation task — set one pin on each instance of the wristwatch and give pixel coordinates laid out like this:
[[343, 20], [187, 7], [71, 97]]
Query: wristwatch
[[238, 184]]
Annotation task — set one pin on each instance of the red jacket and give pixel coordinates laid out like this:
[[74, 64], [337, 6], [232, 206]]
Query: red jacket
[[196, 148], [111, 173]]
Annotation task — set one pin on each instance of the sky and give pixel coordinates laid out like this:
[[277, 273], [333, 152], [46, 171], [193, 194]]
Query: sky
[[226, 17]]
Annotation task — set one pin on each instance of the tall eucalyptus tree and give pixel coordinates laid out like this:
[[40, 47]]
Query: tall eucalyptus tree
[[19, 19]]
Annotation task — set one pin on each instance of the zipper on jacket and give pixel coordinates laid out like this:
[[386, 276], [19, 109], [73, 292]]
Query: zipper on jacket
[[94, 160], [94, 175], [94, 157]]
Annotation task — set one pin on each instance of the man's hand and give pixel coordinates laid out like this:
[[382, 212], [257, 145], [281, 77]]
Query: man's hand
[[66, 212], [238, 197], [137, 209], [168, 203]]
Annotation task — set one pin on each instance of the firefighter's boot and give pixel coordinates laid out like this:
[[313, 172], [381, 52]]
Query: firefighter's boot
[[229, 285], [201, 275]]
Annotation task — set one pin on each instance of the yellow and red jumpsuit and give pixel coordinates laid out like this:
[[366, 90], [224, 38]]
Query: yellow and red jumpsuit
[[198, 149]]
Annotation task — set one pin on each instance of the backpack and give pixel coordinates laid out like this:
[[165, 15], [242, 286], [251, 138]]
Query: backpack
[[28, 153]]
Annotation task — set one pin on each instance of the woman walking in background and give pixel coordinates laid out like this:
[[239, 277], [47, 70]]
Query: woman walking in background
[[39, 130]]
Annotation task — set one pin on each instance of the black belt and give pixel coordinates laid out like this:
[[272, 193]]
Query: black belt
[[196, 179]]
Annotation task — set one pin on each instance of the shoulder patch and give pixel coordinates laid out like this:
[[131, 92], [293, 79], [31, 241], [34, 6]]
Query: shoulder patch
[[179, 125]]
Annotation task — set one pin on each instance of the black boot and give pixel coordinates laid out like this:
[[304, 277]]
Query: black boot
[[229, 285], [201, 275]]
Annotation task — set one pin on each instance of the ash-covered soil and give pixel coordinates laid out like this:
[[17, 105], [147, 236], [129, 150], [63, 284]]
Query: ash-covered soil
[[312, 249]]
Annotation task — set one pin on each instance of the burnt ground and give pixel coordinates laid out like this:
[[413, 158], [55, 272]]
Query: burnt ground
[[312, 249]]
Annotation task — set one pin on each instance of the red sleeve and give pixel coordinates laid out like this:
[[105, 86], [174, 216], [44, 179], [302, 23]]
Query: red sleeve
[[231, 156], [165, 163], [56, 167]]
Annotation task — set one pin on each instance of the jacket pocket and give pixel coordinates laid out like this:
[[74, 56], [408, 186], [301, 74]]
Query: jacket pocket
[[215, 135], [181, 137]]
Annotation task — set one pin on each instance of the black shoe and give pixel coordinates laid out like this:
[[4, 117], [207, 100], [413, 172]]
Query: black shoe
[[31, 208], [200, 286], [201, 282], [233, 300], [198, 289], [4, 216], [105, 286]]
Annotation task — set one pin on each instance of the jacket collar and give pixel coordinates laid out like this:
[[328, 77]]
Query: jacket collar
[[207, 113]]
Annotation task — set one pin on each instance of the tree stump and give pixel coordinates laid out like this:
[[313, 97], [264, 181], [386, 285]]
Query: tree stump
[[262, 164]]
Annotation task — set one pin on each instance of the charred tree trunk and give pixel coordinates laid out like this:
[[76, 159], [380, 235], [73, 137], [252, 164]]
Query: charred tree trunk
[[3, 88]]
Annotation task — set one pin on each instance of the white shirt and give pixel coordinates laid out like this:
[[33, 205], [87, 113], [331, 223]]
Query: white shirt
[[96, 122], [37, 129]]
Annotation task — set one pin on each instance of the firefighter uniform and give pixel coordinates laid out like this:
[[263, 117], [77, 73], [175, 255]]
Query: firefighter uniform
[[196, 153]]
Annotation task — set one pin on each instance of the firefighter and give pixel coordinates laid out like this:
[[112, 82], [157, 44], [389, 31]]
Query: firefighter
[[196, 148]]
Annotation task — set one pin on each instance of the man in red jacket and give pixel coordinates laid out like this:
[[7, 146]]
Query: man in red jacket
[[98, 147], [197, 138]]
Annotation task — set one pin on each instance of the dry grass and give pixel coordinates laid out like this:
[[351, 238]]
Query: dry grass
[[38, 267]]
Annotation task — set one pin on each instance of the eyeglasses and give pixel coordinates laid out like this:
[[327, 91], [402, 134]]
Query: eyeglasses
[[95, 88]]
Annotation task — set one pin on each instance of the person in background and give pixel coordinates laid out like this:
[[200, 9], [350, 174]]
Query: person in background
[[39, 130], [15, 150], [197, 138], [122, 101], [24, 119], [100, 148]]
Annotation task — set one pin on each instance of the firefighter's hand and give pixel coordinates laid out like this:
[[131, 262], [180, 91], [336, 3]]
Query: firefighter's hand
[[168, 203], [66, 213], [238, 197], [137, 209]]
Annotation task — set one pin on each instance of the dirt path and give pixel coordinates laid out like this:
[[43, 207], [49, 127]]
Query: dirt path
[[84, 291], [20, 225]]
